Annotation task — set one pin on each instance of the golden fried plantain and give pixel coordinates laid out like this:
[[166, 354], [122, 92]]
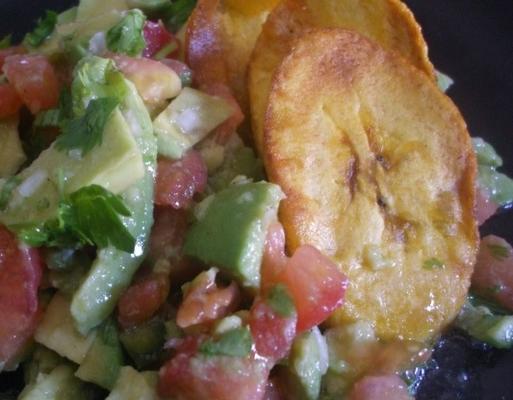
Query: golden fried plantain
[[388, 22], [220, 37], [378, 169]]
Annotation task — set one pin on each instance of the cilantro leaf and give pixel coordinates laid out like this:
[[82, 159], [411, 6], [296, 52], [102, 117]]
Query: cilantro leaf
[[6, 191], [95, 216], [89, 216], [44, 28], [498, 252], [5, 42], [126, 36], [85, 132], [280, 301], [433, 263], [234, 343], [177, 13]]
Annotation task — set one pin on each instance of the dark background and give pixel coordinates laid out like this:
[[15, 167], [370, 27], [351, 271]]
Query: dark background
[[472, 41]]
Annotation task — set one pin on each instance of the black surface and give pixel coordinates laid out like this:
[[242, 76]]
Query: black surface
[[472, 41]]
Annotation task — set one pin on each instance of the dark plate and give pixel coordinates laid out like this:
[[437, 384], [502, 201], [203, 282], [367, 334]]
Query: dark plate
[[472, 41]]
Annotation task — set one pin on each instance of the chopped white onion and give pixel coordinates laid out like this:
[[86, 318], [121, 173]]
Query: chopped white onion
[[32, 183]]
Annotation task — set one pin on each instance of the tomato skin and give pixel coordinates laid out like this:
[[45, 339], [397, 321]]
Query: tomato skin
[[493, 273], [20, 278], [4, 53], [178, 181], [34, 79], [157, 36], [10, 102], [272, 333], [385, 387], [197, 377], [143, 299], [314, 282]]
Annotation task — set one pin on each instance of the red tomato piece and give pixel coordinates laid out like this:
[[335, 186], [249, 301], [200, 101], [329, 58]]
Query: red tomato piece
[[205, 302], [4, 53], [157, 36], [493, 274], [10, 102], [272, 333], [178, 181], [34, 79], [386, 387], [314, 282], [197, 377], [20, 277], [143, 299], [167, 234], [223, 132], [485, 206]]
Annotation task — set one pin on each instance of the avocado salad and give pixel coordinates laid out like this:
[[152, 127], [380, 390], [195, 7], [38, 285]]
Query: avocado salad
[[141, 255]]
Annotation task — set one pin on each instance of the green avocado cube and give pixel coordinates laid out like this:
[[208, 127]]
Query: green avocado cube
[[231, 229]]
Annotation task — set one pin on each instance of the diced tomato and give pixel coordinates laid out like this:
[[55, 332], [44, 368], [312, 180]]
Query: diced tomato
[[178, 181], [223, 132], [157, 36], [272, 333], [20, 277], [205, 302], [34, 79], [10, 102], [167, 234], [493, 274], [485, 206], [386, 387], [4, 53], [155, 82], [143, 299], [313, 280], [197, 377]]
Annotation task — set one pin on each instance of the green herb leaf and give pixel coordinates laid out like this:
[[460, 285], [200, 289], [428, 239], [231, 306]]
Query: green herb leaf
[[234, 343], [177, 13], [6, 191], [94, 215], [498, 252], [89, 216], [44, 28], [126, 36], [433, 263], [5, 42], [280, 301], [85, 132], [48, 118]]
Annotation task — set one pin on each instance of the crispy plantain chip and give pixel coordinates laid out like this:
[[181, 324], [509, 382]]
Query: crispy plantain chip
[[378, 169], [388, 22], [220, 37]]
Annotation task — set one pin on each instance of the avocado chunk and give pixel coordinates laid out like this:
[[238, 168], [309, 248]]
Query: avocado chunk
[[57, 331], [231, 229], [11, 151], [115, 164], [88, 9], [187, 120], [306, 365], [134, 385], [104, 359], [60, 384]]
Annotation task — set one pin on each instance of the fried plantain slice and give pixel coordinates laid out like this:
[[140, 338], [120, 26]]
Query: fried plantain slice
[[219, 40], [388, 22], [378, 169]]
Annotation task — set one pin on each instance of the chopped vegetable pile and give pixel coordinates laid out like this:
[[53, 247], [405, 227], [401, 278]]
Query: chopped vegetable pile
[[161, 239]]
